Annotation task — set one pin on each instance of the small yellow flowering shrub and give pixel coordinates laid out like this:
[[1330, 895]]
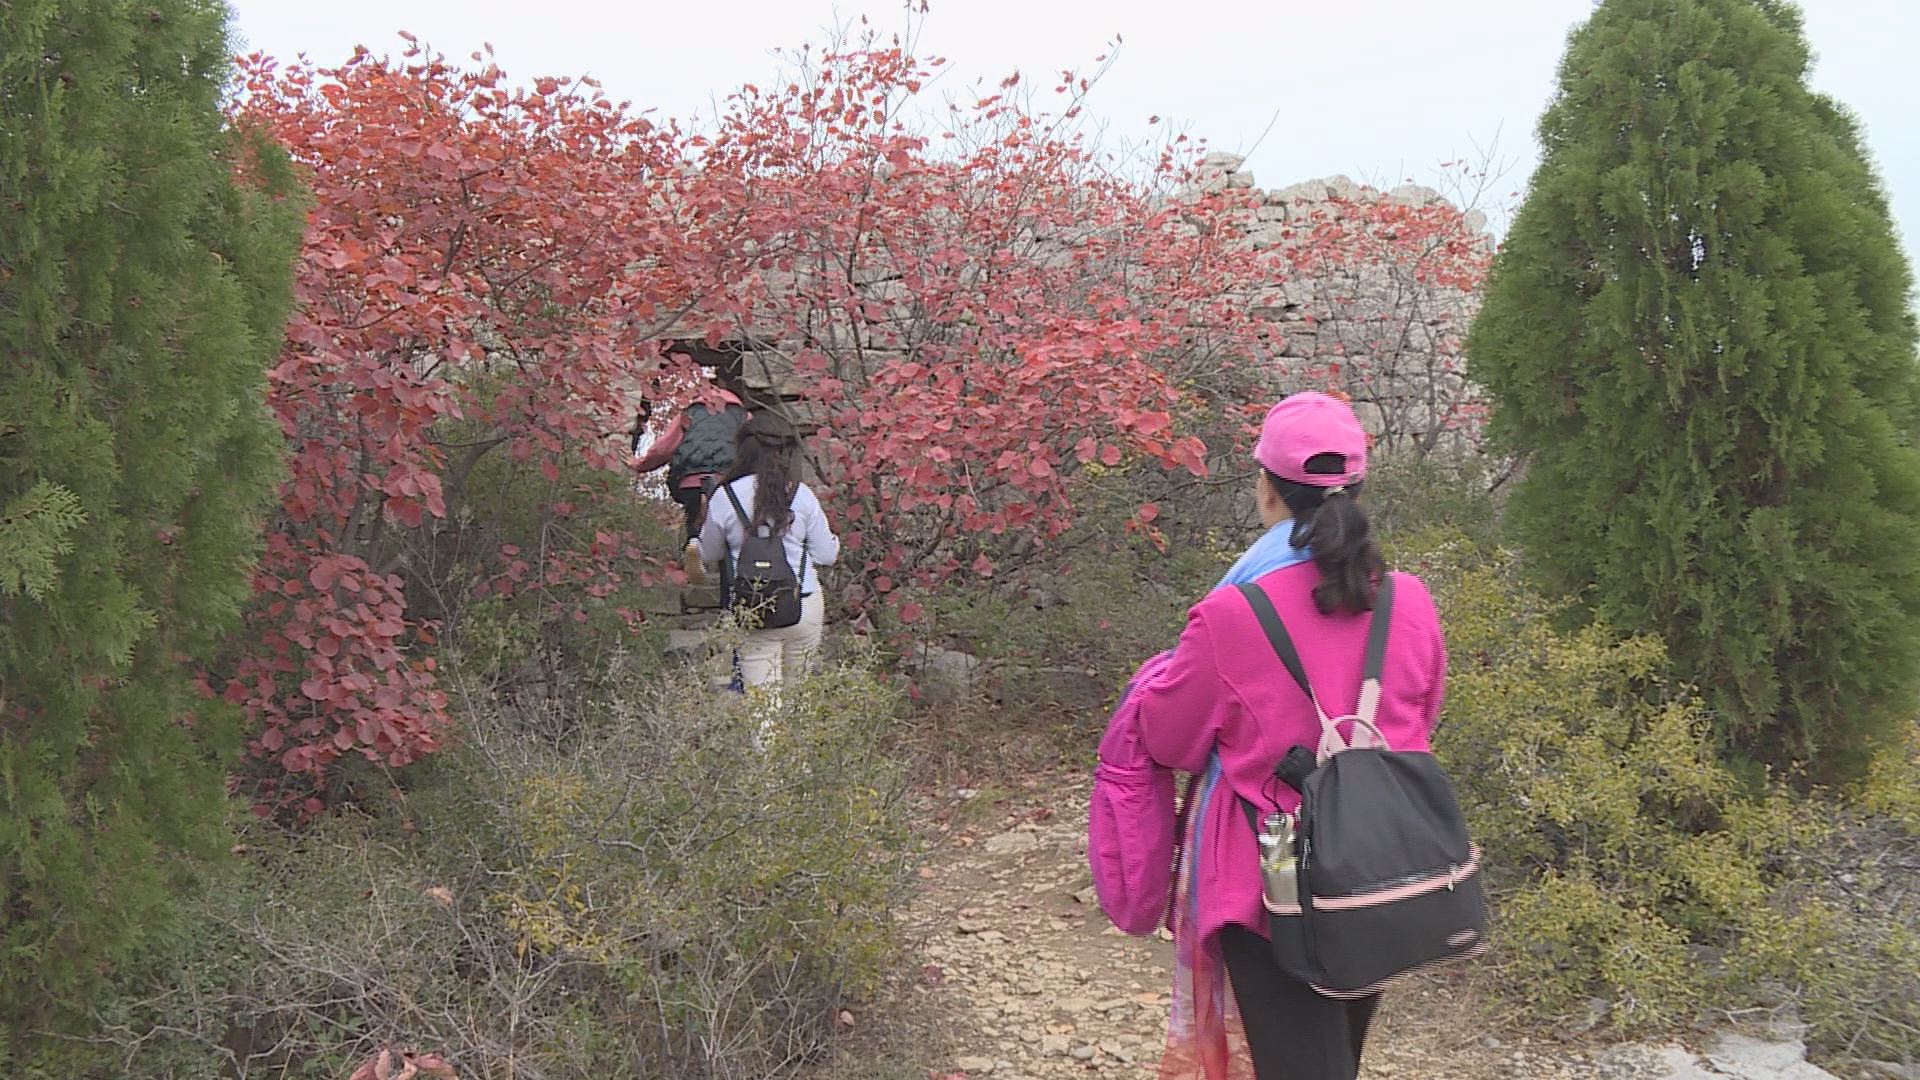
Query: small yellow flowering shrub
[[1629, 864], [738, 897]]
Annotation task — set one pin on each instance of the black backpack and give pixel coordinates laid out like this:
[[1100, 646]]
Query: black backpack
[[761, 588], [1388, 881]]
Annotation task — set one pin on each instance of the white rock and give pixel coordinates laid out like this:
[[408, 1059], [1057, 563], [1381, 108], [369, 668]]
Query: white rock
[[1674, 1063], [1753, 1059], [1225, 162], [1341, 187], [947, 675], [1268, 238], [1305, 191], [1733, 1057], [971, 1064], [1413, 195], [689, 643], [1015, 842], [949, 663]]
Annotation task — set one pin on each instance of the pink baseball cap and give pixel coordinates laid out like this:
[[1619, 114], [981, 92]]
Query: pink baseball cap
[[1307, 425]]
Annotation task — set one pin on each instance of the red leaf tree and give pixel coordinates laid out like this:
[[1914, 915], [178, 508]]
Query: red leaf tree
[[980, 313], [485, 272]]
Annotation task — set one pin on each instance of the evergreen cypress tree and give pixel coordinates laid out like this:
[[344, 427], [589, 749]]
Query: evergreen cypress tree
[[142, 291], [1699, 335]]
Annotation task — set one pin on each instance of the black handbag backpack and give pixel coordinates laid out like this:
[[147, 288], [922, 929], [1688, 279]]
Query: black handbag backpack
[[1388, 883], [762, 588]]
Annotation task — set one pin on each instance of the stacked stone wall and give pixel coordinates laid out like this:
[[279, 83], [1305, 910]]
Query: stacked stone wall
[[1363, 318], [1370, 319]]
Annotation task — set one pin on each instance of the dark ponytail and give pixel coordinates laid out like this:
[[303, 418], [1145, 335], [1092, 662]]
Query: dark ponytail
[[1336, 527]]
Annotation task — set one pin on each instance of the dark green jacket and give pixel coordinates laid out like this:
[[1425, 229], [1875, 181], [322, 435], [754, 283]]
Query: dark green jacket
[[707, 447]]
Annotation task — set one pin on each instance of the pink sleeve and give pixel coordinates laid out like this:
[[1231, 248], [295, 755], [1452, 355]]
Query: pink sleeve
[[1430, 710], [1184, 704], [663, 447], [1437, 669]]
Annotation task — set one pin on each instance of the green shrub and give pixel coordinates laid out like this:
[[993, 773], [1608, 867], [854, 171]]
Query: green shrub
[[145, 274], [1593, 785], [646, 896], [1892, 788], [1406, 498], [1700, 333], [1627, 861], [1104, 599], [1567, 936], [1839, 938], [1065, 636]]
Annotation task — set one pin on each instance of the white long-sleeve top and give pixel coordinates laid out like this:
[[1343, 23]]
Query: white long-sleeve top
[[723, 533]]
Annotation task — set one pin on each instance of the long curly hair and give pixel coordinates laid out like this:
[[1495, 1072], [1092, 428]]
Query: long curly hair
[[768, 449]]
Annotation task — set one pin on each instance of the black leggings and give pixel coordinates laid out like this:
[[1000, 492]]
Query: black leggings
[[690, 499], [1293, 1032]]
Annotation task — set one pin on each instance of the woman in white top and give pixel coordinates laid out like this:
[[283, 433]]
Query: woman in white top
[[766, 480]]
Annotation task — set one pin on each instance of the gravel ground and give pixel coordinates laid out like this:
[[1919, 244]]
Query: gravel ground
[[1032, 982]]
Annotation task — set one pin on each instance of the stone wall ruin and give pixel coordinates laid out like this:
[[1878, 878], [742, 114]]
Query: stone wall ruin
[[1367, 323], [1370, 324]]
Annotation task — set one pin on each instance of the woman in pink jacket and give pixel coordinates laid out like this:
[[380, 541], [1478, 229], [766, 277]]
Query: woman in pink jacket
[[1224, 708]]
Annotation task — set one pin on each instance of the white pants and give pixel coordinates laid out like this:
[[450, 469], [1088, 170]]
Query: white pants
[[768, 657]]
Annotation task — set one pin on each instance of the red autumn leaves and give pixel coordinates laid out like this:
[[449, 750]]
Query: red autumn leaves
[[980, 313]]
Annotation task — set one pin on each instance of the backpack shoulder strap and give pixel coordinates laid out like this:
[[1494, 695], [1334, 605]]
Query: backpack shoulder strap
[[806, 541], [1252, 812], [1277, 635], [746, 519], [1376, 648], [1331, 742]]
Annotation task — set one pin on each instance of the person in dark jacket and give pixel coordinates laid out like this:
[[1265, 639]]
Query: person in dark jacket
[[697, 449]]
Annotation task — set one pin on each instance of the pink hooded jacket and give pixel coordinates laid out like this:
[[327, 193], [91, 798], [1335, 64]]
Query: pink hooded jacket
[[1224, 690]]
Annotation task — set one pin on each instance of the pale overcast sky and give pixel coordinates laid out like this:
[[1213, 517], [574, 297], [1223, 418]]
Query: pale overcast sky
[[1382, 91]]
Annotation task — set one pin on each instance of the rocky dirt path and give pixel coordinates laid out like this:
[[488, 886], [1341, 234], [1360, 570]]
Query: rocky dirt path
[[1033, 983]]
